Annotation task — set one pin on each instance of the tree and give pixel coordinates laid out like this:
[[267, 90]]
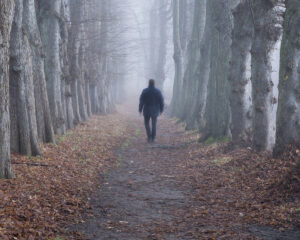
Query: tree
[[191, 75], [66, 78], [195, 118], [178, 57], [217, 112], [6, 18], [288, 116], [163, 41], [267, 17], [43, 117], [75, 35], [240, 75], [49, 25], [24, 137]]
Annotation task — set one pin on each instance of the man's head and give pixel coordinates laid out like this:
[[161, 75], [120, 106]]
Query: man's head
[[151, 83]]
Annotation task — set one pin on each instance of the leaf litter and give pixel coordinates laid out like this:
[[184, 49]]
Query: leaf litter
[[227, 189], [52, 190]]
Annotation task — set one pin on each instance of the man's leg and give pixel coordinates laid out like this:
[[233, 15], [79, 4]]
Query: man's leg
[[154, 121], [147, 126]]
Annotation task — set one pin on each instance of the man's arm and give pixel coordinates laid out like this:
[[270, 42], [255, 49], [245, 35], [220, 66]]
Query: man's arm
[[161, 102], [141, 105]]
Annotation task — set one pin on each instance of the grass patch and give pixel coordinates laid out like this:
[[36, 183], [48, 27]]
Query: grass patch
[[137, 132], [60, 139], [224, 139], [212, 140], [209, 141], [126, 144], [34, 159], [221, 161], [119, 160]]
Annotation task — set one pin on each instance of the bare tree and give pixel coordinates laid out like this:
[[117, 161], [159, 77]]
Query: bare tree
[[267, 17], [288, 117], [49, 25], [6, 18], [240, 74], [43, 117]]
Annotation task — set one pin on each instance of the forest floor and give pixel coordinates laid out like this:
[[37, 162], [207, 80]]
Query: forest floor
[[103, 181]]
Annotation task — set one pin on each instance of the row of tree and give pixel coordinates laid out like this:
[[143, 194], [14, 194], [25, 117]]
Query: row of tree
[[225, 83], [56, 61]]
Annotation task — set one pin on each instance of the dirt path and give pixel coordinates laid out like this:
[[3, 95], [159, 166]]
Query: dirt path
[[140, 195], [148, 196]]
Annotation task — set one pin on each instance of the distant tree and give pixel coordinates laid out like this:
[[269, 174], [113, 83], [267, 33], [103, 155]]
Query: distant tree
[[195, 116], [192, 74], [163, 40], [179, 51], [75, 44]]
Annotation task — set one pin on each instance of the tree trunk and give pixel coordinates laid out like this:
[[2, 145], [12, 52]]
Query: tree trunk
[[88, 98], [6, 18], [153, 38], [217, 114], [94, 99], [240, 74], [162, 49], [43, 117], [188, 94], [65, 23], [49, 24], [195, 117], [74, 51], [178, 59], [288, 116], [20, 133], [267, 31], [30, 98], [81, 86]]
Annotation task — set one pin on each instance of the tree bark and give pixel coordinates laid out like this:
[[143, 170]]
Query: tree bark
[[49, 25], [217, 113], [153, 38], [30, 98], [162, 49], [6, 18], [81, 86], [267, 31], [178, 59], [195, 118], [240, 74], [288, 116], [20, 133], [188, 94], [65, 23], [43, 117], [74, 51]]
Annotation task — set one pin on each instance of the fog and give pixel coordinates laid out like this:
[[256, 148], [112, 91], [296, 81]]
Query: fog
[[137, 14]]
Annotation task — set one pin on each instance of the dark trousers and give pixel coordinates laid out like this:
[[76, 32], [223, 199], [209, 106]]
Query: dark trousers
[[151, 134]]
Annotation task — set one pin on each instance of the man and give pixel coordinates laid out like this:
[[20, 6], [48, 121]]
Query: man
[[152, 104]]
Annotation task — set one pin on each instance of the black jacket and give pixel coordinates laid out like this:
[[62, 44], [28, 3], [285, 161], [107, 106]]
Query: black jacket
[[151, 102]]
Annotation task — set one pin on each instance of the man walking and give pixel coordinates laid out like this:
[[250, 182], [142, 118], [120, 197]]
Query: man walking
[[151, 104]]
